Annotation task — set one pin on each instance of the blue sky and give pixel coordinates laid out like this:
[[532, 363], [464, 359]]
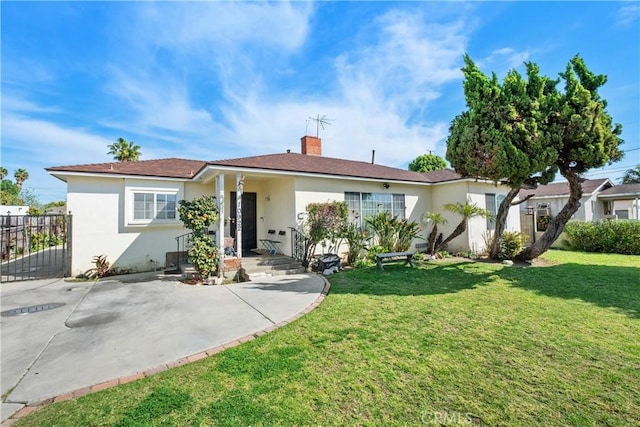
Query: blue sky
[[210, 81]]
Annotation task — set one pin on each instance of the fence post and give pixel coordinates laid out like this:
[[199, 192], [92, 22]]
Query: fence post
[[68, 246]]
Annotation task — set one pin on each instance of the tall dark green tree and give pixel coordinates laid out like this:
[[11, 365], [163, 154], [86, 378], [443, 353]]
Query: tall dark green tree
[[586, 137], [503, 136], [124, 151], [427, 163], [632, 176]]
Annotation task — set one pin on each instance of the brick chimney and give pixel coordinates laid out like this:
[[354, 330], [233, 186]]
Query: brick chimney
[[311, 145]]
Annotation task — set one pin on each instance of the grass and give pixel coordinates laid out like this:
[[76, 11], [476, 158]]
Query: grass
[[445, 343]]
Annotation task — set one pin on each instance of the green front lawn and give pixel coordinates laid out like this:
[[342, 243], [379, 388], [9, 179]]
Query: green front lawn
[[444, 343]]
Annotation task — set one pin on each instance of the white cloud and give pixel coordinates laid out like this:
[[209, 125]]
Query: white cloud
[[411, 60], [378, 86], [220, 25], [37, 144], [627, 15], [505, 58], [16, 104]]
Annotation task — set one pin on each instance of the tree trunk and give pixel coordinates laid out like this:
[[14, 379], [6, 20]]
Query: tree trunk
[[432, 240], [458, 231], [556, 225], [501, 221]]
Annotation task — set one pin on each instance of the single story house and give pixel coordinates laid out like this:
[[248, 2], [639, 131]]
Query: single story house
[[601, 199], [127, 210], [551, 198], [621, 201]]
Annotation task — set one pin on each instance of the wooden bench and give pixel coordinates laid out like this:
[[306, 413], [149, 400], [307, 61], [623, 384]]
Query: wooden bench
[[392, 255]]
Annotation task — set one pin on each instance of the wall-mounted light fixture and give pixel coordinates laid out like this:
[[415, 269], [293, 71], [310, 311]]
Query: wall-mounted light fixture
[[268, 198], [386, 185]]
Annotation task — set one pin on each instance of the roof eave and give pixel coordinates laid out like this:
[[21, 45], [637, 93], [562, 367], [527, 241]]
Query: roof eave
[[256, 170], [619, 196], [61, 175]]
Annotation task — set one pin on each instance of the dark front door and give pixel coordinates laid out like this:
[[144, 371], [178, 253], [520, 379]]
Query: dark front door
[[249, 223]]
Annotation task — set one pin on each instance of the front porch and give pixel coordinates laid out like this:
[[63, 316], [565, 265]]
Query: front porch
[[258, 265]]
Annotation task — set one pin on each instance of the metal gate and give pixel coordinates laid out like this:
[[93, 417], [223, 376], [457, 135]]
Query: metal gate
[[35, 247], [528, 226]]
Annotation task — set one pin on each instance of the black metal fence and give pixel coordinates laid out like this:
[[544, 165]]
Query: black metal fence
[[298, 244], [35, 247]]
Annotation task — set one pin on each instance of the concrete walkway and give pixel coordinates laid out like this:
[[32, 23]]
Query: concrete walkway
[[124, 328]]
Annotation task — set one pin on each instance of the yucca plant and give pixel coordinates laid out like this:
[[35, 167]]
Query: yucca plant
[[466, 211], [391, 233], [435, 219]]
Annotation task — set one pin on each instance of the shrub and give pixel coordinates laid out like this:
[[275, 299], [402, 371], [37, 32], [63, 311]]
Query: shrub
[[41, 241], [364, 263], [607, 236], [511, 244], [197, 215], [392, 233], [356, 239], [372, 251], [100, 270], [204, 255]]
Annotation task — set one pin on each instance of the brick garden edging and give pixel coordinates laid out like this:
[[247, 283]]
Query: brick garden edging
[[28, 409]]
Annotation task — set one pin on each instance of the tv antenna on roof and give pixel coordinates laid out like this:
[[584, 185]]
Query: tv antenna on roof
[[321, 122]]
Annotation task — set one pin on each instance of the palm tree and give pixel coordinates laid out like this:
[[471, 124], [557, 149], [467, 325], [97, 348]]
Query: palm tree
[[124, 151], [21, 175], [466, 211], [3, 173], [435, 219], [632, 176]]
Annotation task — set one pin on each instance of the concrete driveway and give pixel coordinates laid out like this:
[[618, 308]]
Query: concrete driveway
[[77, 334]]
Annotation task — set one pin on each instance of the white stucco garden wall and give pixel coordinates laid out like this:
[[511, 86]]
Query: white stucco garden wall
[[101, 223]]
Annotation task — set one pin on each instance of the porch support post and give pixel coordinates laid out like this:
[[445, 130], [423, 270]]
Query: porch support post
[[239, 190], [220, 232]]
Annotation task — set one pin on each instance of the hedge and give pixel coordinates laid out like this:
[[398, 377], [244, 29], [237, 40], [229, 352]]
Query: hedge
[[608, 236]]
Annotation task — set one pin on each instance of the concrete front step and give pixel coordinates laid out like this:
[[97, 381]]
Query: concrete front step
[[267, 260], [272, 273], [262, 266]]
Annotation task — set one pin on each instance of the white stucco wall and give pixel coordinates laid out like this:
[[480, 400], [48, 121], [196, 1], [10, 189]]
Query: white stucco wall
[[474, 237], [279, 211], [14, 210], [626, 205], [313, 190], [101, 226], [102, 223]]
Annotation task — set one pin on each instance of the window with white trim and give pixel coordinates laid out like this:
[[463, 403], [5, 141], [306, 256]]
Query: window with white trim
[[149, 206], [490, 203], [364, 205]]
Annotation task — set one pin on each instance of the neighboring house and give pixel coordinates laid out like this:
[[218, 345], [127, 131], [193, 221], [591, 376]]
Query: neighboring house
[[601, 199], [127, 210], [14, 210], [621, 201], [551, 198]]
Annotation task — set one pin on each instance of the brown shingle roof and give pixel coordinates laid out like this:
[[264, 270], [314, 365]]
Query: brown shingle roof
[[288, 162], [562, 188], [165, 168], [442, 175], [294, 162], [626, 189]]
